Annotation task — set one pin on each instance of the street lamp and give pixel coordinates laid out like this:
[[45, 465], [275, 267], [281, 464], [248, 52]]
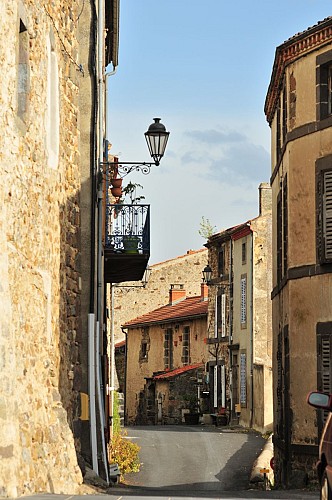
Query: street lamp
[[207, 274], [156, 139]]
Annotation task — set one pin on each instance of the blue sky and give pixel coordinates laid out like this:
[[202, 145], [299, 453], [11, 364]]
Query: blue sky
[[203, 67]]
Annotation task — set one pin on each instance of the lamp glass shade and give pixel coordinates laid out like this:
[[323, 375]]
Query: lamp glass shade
[[207, 274], [156, 139]]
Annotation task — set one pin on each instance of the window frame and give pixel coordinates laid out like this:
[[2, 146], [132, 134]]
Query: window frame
[[186, 348], [243, 301], [324, 86], [324, 210]]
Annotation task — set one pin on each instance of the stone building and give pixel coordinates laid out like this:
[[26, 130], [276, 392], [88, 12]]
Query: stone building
[[239, 321], [47, 167], [164, 356], [131, 302], [298, 110]]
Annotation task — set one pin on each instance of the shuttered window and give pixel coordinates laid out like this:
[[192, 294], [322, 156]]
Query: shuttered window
[[220, 316], [243, 379], [186, 345], [168, 349], [243, 300], [327, 214], [324, 364], [223, 315], [324, 209]]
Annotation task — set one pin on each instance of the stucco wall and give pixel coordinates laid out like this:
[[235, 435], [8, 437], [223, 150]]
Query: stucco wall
[[138, 368]]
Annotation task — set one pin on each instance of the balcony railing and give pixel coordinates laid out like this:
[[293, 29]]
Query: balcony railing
[[128, 229]]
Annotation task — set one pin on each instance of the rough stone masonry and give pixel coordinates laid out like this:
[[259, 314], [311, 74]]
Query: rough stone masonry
[[39, 247]]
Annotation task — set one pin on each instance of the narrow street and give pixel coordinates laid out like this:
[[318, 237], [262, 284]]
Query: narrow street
[[207, 462]]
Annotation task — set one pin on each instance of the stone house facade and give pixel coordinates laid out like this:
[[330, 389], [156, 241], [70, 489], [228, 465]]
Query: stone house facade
[[131, 302], [239, 332], [298, 110], [47, 99], [168, 340]]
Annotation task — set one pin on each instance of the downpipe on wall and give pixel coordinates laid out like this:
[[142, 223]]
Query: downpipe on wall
[[99, 322]]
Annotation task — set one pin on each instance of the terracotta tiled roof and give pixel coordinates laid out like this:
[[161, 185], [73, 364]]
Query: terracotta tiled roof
[[178, 371], [192, 307]]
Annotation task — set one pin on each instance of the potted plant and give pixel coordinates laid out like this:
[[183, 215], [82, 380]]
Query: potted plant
[[130, 239], [191, 402]]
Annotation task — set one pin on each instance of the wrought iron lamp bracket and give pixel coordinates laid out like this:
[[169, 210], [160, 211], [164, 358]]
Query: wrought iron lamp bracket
[[125, 168]]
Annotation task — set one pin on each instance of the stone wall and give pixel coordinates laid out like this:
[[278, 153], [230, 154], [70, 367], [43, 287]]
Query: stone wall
[[39, 247], [129, 303]]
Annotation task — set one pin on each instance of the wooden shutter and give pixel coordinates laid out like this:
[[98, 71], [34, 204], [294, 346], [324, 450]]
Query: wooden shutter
[[243, 299], [324, 365], [223, 315], [327, 215], [243, 379]]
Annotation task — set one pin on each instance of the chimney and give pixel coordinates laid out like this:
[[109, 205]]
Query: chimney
[[204, 292], [265, 198], [176, 294]]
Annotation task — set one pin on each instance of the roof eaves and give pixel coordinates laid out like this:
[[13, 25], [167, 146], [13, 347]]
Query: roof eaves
[[175, 319]]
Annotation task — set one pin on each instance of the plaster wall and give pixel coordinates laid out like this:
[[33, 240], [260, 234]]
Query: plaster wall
[[138, 368], [242, 332], [309, 303]]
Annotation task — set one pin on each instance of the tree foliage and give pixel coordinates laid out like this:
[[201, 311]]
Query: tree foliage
[[206, 229]]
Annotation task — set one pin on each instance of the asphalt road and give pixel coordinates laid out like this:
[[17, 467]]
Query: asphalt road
[[194, 458], [200, 462], [191, 462]]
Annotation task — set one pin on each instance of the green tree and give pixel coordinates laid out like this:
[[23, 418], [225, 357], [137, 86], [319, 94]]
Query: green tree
[[206, 229]]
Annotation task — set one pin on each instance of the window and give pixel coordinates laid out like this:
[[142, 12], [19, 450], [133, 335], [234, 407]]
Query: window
[[186, 346], [324, 209], [221, 262], [324, 85], [144, 350], [243, 318], [281, 131], [145, 345], [324, 364], [168, 349], [23, 77], [282, 231], [220, 316], [244, 253]]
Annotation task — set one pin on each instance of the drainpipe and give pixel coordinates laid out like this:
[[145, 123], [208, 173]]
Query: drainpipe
[[230, 339], [112, 364], [100, 319], [125, 378], [92, 391]]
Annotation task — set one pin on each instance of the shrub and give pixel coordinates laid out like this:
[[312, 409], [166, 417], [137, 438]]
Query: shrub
[[124, 453], [116, 415]]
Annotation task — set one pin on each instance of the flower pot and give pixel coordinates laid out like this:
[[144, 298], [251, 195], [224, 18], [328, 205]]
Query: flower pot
[[117, 183], [116, 191], [130, 244], [191, 418]]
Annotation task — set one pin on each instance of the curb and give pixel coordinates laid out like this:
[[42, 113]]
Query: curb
[[263, 462]]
